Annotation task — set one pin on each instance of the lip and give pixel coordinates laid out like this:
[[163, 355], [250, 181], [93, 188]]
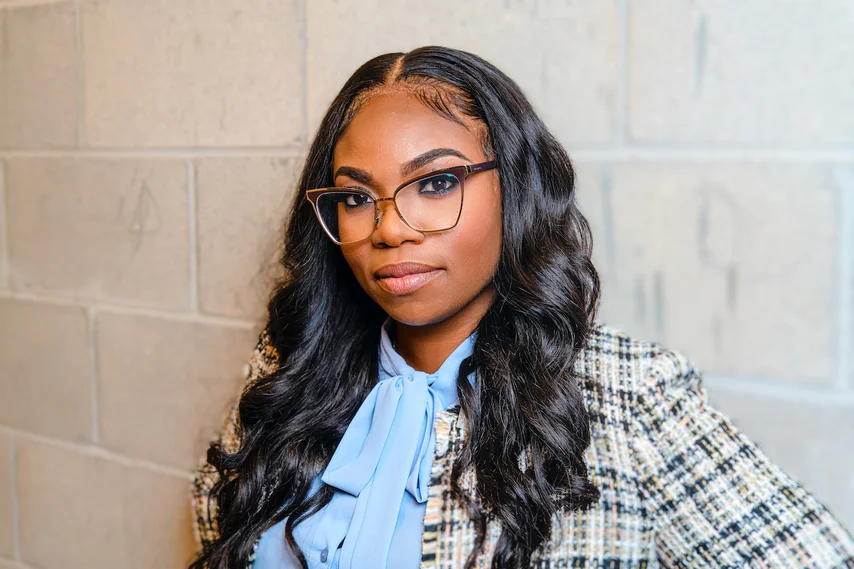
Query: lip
[[405, 278], [403, 269]]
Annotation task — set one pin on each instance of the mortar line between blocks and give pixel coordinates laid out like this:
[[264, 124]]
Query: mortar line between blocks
[[177, 152], [845, 259], [93, 374], [192, 236], [13, 488], [100, 452], [13, 564], [603, 153], [116, 307], [24, 3]]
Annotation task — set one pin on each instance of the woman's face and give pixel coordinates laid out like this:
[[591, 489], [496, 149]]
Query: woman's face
[[385, 136]]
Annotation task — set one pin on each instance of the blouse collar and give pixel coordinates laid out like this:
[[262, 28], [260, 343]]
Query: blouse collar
[[443, 381]]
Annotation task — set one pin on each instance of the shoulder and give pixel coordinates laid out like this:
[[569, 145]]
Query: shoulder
[[631, 384], [614, 361]]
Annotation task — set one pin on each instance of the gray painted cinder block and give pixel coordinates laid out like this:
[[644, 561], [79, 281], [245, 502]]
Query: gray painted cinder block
[[163, 73], [741, 72], [563, 54], [99, 228], [729, 263], [243, 205], [49, 396], [594, 185], [182, 372], [38, 76], [6, 515], [845, 181], [111, 512]]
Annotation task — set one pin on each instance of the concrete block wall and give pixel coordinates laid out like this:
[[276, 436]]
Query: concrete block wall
[[148, 155]]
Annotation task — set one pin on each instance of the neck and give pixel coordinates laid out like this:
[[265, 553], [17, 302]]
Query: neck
[[427, 346]]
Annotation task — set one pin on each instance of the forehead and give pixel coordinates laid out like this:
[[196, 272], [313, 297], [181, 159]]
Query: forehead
[[394, 127]]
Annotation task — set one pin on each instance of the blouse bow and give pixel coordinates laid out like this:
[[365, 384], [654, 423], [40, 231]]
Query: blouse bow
[[380, 472]]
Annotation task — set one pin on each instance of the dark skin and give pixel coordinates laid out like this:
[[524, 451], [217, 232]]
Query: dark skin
[[389, 132]]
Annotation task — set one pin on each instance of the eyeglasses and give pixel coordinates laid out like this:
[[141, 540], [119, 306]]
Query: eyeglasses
[[429, 203]]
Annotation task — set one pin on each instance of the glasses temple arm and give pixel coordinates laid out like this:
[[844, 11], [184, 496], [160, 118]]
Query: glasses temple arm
[[474, 168]]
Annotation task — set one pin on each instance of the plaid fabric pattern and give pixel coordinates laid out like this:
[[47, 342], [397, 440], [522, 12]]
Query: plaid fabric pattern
[[680, 485]]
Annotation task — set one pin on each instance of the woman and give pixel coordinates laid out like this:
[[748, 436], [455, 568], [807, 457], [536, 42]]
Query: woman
[[432, 388]]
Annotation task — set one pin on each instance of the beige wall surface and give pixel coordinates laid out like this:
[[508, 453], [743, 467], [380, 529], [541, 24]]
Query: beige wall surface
[[148, 155]]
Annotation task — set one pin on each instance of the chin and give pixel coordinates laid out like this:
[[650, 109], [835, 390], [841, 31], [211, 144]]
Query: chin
[[412, 313]]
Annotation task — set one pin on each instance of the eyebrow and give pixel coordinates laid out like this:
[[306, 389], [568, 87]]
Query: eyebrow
[[406, 168]]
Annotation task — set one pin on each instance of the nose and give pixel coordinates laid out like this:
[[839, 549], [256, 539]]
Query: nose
[[389, 227]]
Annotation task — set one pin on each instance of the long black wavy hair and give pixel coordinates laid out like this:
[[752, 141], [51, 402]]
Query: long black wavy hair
[[325, 329]]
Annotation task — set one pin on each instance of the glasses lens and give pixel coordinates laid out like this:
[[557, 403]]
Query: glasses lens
[[348, 216], [432, 203]]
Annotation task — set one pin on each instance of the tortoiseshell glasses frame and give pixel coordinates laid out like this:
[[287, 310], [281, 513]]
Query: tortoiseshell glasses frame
[[461, 172]]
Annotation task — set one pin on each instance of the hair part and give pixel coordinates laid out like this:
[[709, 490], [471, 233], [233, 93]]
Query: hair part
[[446, 100], [525, 401]]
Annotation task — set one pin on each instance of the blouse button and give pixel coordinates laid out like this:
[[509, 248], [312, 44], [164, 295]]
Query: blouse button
[[324, 555]]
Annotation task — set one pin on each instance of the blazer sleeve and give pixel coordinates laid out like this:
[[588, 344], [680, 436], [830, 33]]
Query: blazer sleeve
[[264, 360], [714, 497]]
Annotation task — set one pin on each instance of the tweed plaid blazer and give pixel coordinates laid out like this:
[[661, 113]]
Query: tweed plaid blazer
[[680, 485]]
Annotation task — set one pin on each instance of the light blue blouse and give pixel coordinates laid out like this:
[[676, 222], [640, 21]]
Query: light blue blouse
[[380, 471]]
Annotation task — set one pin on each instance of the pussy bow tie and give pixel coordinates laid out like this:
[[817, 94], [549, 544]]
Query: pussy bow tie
[[386, 450]]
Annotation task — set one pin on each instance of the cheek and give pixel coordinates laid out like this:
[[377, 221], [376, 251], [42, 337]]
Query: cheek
[[478, 245], [356, 258]]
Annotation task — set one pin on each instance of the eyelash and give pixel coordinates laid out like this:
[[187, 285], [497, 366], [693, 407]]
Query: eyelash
[[426, 175]]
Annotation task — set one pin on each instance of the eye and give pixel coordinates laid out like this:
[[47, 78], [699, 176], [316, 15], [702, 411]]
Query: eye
[[441, 184], [355, 200]]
